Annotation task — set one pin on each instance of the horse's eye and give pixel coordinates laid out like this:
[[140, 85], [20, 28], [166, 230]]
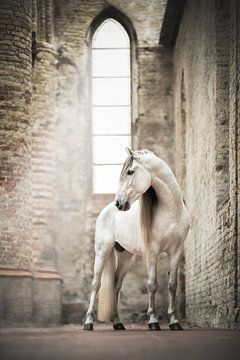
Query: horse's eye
[[130, 172]]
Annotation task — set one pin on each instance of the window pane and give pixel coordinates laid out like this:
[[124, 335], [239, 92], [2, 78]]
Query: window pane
[[107, 120], [110, 34], [111, 91], [111, 100], [111, 62], [110, 149], [106, 178]]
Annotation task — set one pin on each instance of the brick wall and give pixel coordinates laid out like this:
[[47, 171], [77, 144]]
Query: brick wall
[[15, 139], [203, 137], [43, 136], [234, 147], [155, 124], [27, 168], [15, 67], [43, 148]]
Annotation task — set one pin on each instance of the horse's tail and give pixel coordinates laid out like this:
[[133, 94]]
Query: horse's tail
[[106, 292]]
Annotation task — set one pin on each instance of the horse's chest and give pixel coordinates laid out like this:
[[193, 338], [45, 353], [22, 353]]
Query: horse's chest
[[128, 231], [167, 234]]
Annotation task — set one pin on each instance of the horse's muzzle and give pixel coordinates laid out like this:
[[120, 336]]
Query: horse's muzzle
[[123, 207]]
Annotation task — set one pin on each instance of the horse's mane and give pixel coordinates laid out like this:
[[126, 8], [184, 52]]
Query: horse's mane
[[148, 201]]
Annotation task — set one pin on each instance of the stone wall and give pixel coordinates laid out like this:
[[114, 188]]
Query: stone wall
[[205, 166]]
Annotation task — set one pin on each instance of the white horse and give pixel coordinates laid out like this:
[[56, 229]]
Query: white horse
[[158, 222]]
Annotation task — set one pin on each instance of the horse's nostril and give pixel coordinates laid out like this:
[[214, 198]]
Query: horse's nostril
[[117, 203]]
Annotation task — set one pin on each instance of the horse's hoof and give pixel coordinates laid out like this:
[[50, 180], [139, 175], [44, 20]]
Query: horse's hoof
[[175, 327], [154, 326], [88, 327], [119, 326]]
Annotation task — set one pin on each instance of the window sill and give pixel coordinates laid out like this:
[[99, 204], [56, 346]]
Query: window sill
[[97, 197], [99, 201]]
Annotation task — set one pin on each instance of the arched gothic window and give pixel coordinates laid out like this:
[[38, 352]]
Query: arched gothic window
[[111, 103]]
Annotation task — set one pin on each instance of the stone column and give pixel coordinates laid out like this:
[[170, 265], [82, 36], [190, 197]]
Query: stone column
[[47, 282], [15, 160]]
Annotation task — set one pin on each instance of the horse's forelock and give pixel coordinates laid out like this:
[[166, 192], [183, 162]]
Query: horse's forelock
[[127, 164]]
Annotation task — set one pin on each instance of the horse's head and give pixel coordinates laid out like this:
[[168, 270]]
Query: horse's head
[[135, 179]]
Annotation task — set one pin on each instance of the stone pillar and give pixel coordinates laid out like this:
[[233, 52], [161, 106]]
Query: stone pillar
[[15, 159], [47, 282], [41, 20]]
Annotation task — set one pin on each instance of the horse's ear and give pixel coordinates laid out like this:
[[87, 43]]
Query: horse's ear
[[132, 153], [129, 151]]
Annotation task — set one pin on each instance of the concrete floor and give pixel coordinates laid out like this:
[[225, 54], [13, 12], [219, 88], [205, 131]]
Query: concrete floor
[[137, 343]]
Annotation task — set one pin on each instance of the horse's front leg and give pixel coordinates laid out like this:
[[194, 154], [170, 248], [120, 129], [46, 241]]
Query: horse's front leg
[[151, 260], [100, 260], [172, 288]]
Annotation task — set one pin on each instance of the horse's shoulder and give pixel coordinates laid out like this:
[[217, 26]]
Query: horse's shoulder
[[110, 207], [107, 212]]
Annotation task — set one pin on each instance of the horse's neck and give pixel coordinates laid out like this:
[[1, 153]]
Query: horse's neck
[[167, 188]]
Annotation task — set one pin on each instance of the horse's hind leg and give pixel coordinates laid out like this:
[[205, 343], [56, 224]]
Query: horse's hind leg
[[122, 269], [100, 260], [172, 287]]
